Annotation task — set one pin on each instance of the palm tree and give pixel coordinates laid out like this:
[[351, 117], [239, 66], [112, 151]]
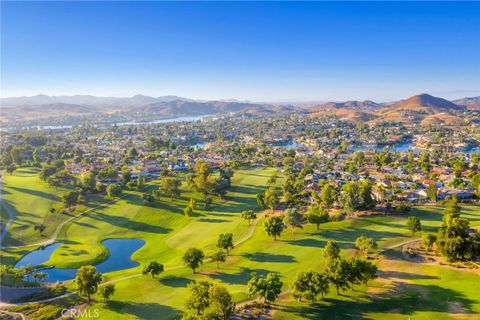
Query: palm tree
[[18, 276], [29, 272], [42, 276]]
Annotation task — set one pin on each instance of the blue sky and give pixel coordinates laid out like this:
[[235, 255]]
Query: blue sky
[[257, 51]]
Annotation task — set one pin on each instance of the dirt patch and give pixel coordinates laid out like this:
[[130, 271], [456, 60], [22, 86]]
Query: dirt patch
[[414, 252], [456, 307], [255, 310]]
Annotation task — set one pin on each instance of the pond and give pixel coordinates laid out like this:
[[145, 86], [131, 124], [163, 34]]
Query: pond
[[120, 250], [290, 144]]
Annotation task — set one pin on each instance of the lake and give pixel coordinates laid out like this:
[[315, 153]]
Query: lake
[[120, 251], [126, 123]]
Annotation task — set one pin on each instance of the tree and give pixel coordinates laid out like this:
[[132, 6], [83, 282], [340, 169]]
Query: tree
[[225, 241], [351, 198], [218, 186], [147, 198], [193, 203], [47, 171], [366, 193], [70, 199], [338, 272], [199, 298], [273, 179], [154, 268], [193, 258], [10, 168], [274, 226], [170, 186], [188, 211], [202, 180], [126, 175], [428, 240], [227, 174], [432, 192], [328, 195], [413, 224], [249, 215], [271, 198], [331, 250], [317, 215], [218, 257], [221, 302], [453, 240], [107, 291], [309, 284], [87, 280], [364, 244], [114, 190], [292, 217], [268, 287], [261, 200], [89, 181], [363, 271], [41, 276], [140, 182], [39, 227]]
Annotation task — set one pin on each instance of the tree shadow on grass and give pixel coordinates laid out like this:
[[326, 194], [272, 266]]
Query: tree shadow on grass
[[123, 222], [175, 282], [404, 275], [144, 310], [240, 277], [308, 242], [210, 220], [402, 298], [84, 224], [5, 191], [269, 257], [37, 193], [349, 235]]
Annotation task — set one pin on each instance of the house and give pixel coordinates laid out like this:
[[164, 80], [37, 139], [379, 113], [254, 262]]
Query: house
[[312, 187]]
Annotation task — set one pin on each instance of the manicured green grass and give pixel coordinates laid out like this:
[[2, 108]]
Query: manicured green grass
[[414, 290], [403, 291], [167, 231], [302, 250], [30, 199]]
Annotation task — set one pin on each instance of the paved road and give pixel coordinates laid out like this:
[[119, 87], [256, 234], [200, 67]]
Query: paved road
[[15, 315]]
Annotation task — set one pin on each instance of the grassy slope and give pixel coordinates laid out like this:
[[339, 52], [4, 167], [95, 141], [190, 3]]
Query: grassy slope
[[302, 250], [30, 200], [403, 291], [167, 231]]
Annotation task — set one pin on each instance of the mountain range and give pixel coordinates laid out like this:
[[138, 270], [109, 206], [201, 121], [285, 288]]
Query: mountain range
[[422, 108]]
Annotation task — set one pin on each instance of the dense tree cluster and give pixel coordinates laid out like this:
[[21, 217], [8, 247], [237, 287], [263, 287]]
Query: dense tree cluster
[[453, 239]]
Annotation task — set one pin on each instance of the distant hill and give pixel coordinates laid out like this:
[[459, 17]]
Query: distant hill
[[43, 111], [470, 103], [135, 101], [182, 107], [422, 109], [351, 104], [415, 109], [425, 101]]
